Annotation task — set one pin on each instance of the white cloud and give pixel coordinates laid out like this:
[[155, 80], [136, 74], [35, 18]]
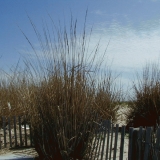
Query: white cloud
[[129, 48], [99, 12]]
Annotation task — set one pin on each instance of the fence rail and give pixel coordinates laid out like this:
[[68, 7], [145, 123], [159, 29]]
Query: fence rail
[[110, 141]]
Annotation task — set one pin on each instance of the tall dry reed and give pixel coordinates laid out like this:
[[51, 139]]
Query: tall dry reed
[[62, 94]]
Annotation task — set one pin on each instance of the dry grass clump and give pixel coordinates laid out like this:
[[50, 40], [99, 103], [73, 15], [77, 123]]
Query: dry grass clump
[[108, 98], [8, 94], [145, 108], [62, 94], [65, 117], [11, 100]]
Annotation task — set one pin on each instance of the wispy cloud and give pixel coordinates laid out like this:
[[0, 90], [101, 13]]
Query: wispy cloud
[[129, 48], [99, 12]]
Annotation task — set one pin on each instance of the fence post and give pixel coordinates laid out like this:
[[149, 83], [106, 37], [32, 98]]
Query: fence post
[[100, 137], [104, 138], [115, 142], [96, 142], [9, 129], [4, 131], [130, 143], [122, 143], [111, 142], [147, 143], [30, 132], [20, 131], [15, 132], [25, 134], [92, 154], [0, 142], [140, 135], [135, 143], [156, 152], [108, 133]]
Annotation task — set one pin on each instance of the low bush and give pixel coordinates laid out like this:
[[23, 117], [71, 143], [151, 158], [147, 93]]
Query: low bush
[[145, 107]]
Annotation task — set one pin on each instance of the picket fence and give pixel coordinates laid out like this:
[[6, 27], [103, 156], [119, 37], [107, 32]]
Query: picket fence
[[110, 141]]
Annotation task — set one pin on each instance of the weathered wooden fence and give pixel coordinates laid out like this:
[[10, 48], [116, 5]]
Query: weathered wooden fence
[[14, 134], [110, 141], [144, 144]]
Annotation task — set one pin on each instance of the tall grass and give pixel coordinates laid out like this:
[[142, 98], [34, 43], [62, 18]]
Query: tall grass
[[145, 107], [62, 93]]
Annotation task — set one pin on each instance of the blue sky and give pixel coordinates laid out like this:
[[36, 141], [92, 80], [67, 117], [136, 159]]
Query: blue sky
[[132, 26]]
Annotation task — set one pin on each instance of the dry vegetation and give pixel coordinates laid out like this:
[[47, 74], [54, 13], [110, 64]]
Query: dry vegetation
[[145, 106], [61, 94]]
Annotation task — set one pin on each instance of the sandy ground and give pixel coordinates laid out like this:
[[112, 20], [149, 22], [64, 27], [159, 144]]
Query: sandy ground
[[27, 153], [121, 115], [19, 153]]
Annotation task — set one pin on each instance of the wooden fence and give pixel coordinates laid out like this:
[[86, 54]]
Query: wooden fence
[[144, 144], [14, 134], [110, 141]]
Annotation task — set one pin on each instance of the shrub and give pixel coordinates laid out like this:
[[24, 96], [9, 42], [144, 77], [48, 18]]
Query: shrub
[[145, 107], [62, 94]]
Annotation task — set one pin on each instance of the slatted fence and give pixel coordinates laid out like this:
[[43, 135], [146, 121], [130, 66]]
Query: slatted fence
[[14, 134], [144, 144], [110, 141]]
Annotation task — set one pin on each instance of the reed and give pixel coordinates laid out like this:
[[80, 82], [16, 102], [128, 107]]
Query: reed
[[61, 93]]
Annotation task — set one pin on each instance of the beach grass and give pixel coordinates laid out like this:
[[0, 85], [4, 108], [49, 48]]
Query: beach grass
[[62, 91]]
